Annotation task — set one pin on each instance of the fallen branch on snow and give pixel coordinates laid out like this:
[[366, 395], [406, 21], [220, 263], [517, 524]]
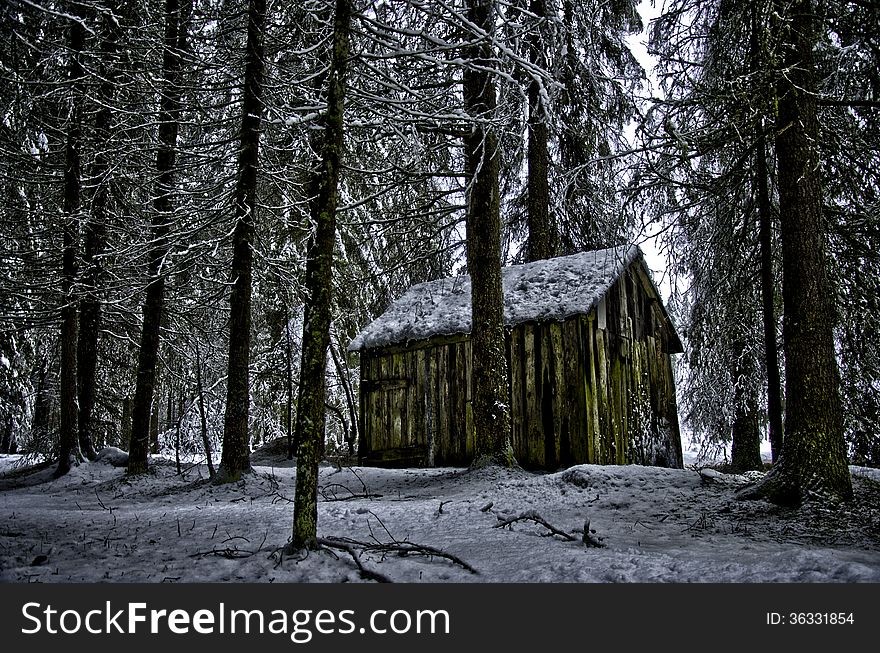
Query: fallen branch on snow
[[402, 548], [231, 553], [530, 515], [329, 493], [366, 574]]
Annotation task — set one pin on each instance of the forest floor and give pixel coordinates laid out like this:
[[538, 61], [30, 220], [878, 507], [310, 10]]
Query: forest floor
[[425, 525]]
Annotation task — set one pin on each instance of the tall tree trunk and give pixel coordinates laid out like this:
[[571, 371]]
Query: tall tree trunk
[[154, 425], [351, 434], [765, 237], [813, 461], [745, 454], [203, 417], [235, 458], [69, 452], [540, 243], [125, 424], [42, 404], [7, 443], [95, 236], [745, 451], [288, 384], [491, 408], [163, 215], [768, 290], [310, 416]]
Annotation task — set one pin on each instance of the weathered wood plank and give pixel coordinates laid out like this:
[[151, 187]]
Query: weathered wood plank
[[454, 404], [562, 450], [470, 448], [602, 394], [442, 441], [516, 390], [410, 456], [430, 410], [418, 398], [545, 402], [528, 457], [573, 403]]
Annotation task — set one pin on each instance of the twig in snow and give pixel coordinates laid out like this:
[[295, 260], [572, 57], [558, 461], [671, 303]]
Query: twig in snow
[[236, 537], [366, 574], [531, 515], [404, 548], [280, 497], [101, 503], [358, 477], [588, 538], [232, 553], [384, 528], [328, 493]]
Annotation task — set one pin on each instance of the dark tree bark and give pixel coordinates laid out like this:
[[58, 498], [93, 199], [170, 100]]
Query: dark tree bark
[[235, 458], [745, 451], [288, 386], [95, 236], [813, 461], [768, 287], [154, 425], [351, 432], [310, 416], [7, 442], [163, 216], [42, 404], [491, 409], [540, 243], [125, 424], [69, 451], [765, 237], [203, 416]]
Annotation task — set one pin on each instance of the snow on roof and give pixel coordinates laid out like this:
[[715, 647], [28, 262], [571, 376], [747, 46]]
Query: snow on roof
[[552, 289]]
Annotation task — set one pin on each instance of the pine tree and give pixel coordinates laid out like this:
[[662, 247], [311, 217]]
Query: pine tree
[[176, 21], [69, 451], [236, 443], [482, 155], [95, 228], [310, 420], [813, 460]]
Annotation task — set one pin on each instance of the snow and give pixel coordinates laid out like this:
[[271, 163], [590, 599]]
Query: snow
[[656, 525], [551, 289]]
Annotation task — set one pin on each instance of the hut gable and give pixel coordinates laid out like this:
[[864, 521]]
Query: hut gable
[[588, 346], [552, 289]]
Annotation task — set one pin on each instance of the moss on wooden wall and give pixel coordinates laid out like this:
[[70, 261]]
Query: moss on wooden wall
[[579, 393]]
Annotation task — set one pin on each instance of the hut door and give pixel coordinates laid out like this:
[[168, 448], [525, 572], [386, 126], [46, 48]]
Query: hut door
[[388, 430]]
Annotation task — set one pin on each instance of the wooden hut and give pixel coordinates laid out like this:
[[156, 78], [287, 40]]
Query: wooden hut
[[589, 347]]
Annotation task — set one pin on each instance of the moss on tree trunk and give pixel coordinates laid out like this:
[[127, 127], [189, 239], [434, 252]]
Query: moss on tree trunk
[[490, 399], [310, 418], [813, 461], [235, 457]]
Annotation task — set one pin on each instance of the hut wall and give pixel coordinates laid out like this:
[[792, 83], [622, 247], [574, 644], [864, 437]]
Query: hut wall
[[579, 393], [416, 405]]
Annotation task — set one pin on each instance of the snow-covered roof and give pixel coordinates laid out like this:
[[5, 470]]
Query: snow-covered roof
[[551, 289]]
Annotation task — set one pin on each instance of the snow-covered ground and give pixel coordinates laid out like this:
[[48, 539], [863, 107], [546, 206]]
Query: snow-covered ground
[[656, 525]]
